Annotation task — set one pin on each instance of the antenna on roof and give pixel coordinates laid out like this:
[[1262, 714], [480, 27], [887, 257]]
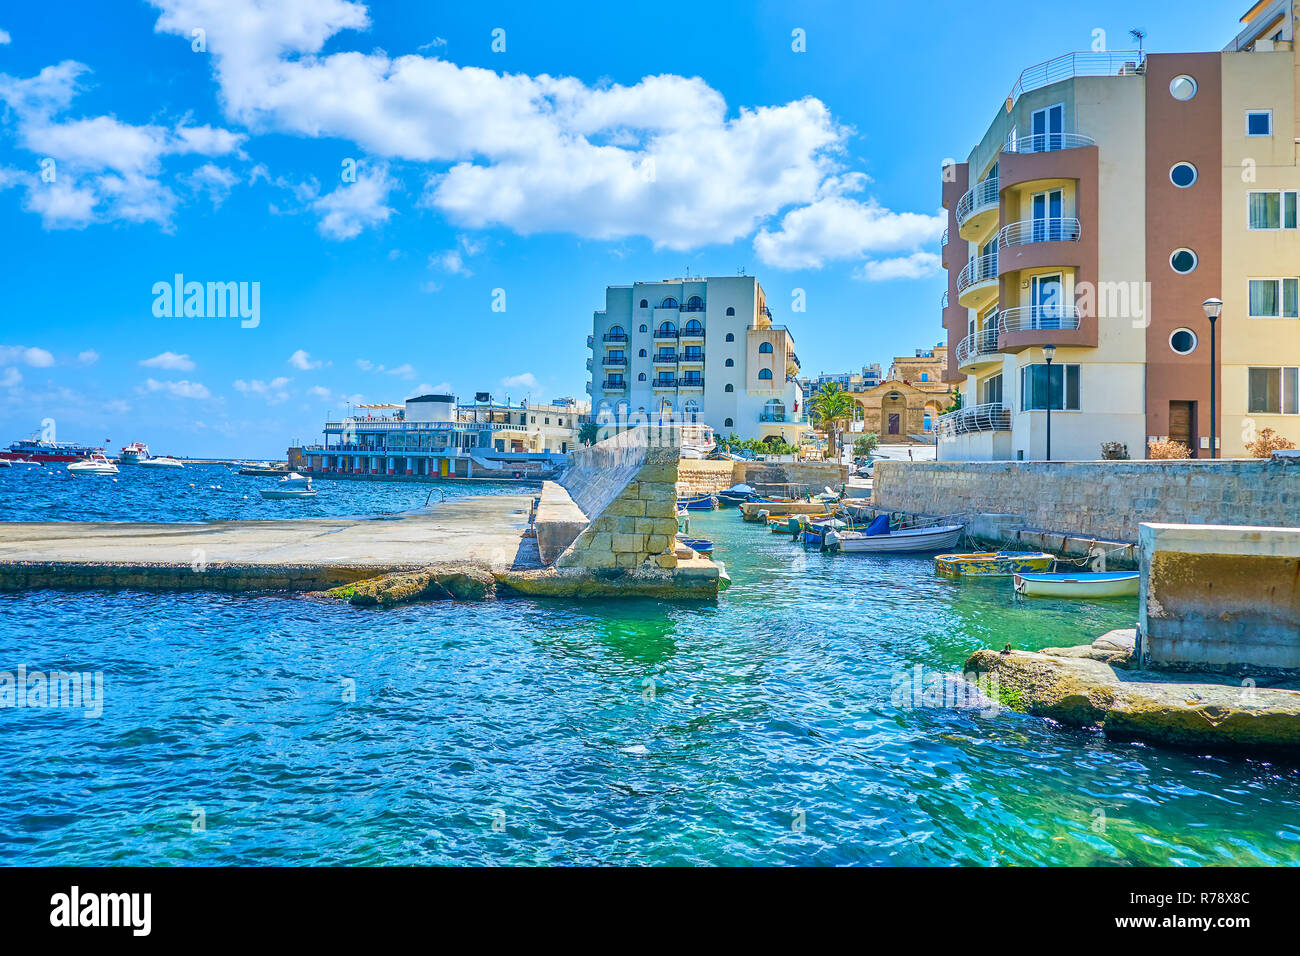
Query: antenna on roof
[[1137, 33]]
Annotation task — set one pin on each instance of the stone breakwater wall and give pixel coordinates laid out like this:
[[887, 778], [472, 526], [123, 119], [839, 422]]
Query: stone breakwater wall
[[1106, 500], [703, 477]]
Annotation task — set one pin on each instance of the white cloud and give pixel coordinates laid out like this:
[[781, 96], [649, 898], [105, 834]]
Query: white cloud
[[527, 380], [442, 388], [170, 361], [836, 227], [88, 357], [663, 158], [453, 260], [273, 391], [919, 265], [181, 389], [303, 361], [352, 207], [5, 38], [25, 355], [10, 378], [98, 168], [214, 181], [405, 371], [319, 392]]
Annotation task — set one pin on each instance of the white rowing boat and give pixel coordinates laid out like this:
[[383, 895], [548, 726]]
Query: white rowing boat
[[937, 538], [1081, 584]]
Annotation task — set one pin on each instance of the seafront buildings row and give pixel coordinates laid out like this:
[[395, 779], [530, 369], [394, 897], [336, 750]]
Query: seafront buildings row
[[1111, 196]]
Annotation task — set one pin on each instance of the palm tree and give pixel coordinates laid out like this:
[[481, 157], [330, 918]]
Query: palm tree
[[830, 408]]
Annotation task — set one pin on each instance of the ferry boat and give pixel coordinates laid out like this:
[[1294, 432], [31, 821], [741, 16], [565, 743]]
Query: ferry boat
[[35, 450], [133, 453]]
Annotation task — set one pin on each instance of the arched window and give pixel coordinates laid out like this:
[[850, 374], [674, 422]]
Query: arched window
[[728, 423], [731, 363], [641, 354], [692, 408], [765, 348], [667, 329], [641, 377], [645, 304], [774, 410], [730, 337], [669, 303], [693, 327], [764, 374], [695, 304], [645, 328], [729, 388], [616, 330], [731, 310]]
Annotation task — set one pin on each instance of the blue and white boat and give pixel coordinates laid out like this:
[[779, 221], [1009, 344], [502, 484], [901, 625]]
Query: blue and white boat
[[697, 503], [1078, 584], [736, 494]]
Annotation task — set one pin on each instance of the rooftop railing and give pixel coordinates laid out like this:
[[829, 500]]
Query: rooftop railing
[[1070, 65]]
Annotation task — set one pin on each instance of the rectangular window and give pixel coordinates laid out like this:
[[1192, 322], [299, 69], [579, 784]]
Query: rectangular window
[[1274, 298], [1259, 122], [991, 390], [1062, 388], [1271, 209]]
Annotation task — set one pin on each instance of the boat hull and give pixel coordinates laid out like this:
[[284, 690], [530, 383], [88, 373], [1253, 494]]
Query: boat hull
[[698, 503], [777, 509], [911, 540], [277, 494], [991, 563], [1088, 584]]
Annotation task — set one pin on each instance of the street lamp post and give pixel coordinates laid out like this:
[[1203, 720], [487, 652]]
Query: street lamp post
[[1049, 353], [1213, 309]]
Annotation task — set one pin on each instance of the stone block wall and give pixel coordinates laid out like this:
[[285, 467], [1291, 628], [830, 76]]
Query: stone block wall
[[802, 475], [1097, 499], [698, 476]]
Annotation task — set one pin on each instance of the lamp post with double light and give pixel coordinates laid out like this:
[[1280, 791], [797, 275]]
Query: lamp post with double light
[[1049, 353], [1213, 309]]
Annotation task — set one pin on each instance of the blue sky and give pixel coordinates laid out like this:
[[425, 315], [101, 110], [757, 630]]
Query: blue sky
[[604, 145]]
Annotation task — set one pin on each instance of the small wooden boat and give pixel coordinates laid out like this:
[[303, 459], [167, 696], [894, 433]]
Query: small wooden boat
[[762, 509], [991, 563], [935, 538], [735, 495], [699, 545], [698, 503], [1079, 584]]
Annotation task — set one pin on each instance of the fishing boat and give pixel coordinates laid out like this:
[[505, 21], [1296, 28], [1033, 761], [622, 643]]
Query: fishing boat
[[699, 545], [736, 494], [161, 462], [96, 464], [879, 539], [1079, 584], [991, 563], [697, 502]]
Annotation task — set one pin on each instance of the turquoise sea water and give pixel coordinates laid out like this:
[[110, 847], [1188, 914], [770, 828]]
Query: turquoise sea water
[[757, 731]]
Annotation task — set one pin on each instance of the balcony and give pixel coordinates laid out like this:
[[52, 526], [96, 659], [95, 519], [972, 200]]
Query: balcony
[[990, 417], [666, 334], [1029, 318], [979, 348], [977, 210], [1039, 230], [943, 303], [591, 340], [610, 361], [615, 337], [588, 365], [690, 381], [778, 417], [977, 283], [1046, 142], [664, 358], [663, 382], [691, 334], [691, 355], [614, 385]]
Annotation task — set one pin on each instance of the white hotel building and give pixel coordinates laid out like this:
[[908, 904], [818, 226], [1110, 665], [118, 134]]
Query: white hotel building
[[701, 350]]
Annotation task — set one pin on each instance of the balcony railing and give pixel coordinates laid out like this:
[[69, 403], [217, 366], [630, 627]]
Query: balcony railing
[[611, 362], [691, 334], [663, 383], [976, 199], [1027, 318], [665, 334], [588, 365], [943, 241], [614, 385], [1039, 230], [990, 417], [591, 340], [943, 303], [977, 270], [981, 343], [665, 358], [690, 382], [775, 417], [691, 356], [616, 337], [692, 308], [1076, 64], [1046, 142]]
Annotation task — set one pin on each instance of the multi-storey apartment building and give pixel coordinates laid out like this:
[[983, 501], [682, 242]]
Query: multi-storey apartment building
[[696, 350], [869, 377], [1111, 196]]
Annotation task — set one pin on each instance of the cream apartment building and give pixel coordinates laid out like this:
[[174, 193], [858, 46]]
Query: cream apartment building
[[697, 350], [1112, 194]]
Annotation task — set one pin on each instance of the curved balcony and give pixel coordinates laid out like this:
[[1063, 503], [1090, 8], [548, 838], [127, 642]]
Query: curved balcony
[[1030, 318], [1047, 142], [978, 281], [979, 348], [1062, 229], [990, 417], [978, 209]]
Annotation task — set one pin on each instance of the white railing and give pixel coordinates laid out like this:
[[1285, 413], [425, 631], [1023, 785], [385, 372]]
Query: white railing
[[977, 198], [1075, 64], [977, 270], [983, 342], [943, 241], [1046, 142], [943, 303], [990, 417], [1060, 229], [1027, 318]]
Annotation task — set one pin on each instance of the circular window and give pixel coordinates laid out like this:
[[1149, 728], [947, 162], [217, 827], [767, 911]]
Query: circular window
[[1183, 341], [1182, 175], [1182, 261], [1182, 87]]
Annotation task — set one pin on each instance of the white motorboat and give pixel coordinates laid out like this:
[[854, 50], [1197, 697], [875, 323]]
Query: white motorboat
[[6, 463], [1079, 584], [936, 538], [162, 462], [133, 454], [96, 464], [280, 493]]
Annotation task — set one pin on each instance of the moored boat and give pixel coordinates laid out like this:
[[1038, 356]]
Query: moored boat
[[934, 538], [37, 451], [761, 509], [1079, 584], [133, 454], [991, 563], [735, 495], [699, 545], [96, 464], [697, 502], [162, 462]]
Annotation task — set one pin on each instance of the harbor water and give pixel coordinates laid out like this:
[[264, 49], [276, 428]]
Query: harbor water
[[773, 727]]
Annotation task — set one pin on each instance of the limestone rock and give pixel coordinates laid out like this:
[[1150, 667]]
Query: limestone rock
[[426, 584]]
